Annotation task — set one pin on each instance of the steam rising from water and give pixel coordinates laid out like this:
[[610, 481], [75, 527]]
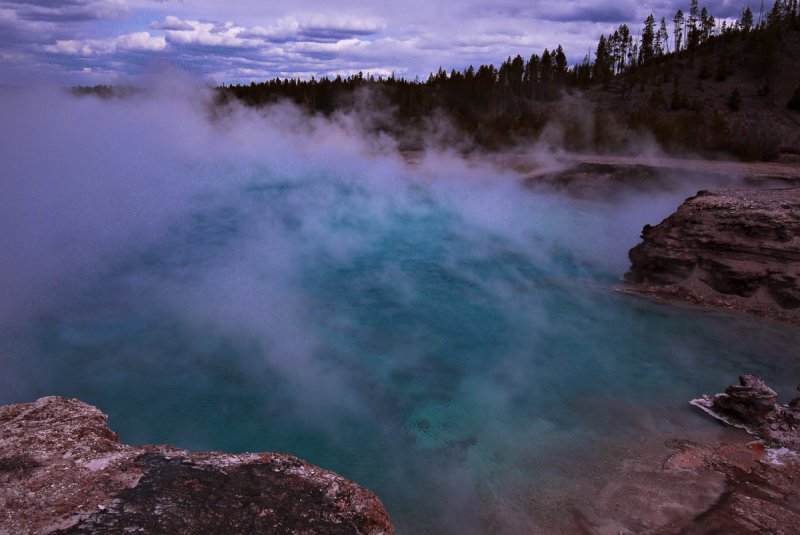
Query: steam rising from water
[[270, 281]]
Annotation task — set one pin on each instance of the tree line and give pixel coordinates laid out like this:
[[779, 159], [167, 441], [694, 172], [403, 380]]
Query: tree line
[[540, 78]]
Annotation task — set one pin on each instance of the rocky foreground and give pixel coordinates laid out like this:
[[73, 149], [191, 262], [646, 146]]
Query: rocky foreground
[[734, 488], [62, 470], [763, 477], [737, 249]]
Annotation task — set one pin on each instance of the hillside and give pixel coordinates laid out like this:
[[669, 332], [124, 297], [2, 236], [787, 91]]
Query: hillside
[[729, 95]]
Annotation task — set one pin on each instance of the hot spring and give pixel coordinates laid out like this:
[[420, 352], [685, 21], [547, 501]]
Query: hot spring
[[270, 282]]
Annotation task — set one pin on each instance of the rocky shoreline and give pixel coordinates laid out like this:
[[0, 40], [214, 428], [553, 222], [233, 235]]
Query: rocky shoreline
[[762, 493], [732, 487], [736, 249], [62, 470], [610, 178]]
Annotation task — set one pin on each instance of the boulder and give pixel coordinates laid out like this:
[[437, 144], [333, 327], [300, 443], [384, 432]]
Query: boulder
[[62, 470]]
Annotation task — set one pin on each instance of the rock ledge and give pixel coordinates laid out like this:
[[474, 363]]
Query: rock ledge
[[62, 470], [736, 249]]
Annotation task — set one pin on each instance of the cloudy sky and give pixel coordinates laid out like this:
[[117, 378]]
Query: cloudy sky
[[94, 41]]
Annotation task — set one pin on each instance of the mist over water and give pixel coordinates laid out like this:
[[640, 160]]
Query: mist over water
[[266, 281]]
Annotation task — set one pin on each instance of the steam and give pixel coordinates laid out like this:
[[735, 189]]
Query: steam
[[301, 271]]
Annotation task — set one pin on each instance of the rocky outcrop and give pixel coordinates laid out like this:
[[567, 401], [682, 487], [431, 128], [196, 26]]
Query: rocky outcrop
[[736, 249], [62, 470], [761, 493], [753, 406]]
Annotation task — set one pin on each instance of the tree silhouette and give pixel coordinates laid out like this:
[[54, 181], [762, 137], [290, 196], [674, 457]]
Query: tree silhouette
[[746, 22], [647, 50], [678, 31]]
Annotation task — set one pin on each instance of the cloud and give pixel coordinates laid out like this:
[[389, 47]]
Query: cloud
[[333, 27], [15, 32], [67, 10], [248, 40], [315, 27], [209, 34], [172, 23], [139, 41]]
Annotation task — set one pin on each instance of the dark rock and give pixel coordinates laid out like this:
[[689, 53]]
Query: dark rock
[[736, 249], [751, 401], [63, 471], [753, 406]]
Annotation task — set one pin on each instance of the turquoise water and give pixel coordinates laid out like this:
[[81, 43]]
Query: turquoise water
[[439, 334]]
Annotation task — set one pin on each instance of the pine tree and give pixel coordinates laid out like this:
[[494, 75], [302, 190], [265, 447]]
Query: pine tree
[[516, 71], [678, 31], [662, 39], [532, 76], [601, 70], [707, 24], [692, 32], [746, 21], [647, 49], [560, 64], [775, 16], [546, 75], [621, 44]]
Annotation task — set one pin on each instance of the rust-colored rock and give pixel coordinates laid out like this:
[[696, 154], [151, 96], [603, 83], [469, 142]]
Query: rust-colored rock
[[62, 470], [736, 249], [761, 494]]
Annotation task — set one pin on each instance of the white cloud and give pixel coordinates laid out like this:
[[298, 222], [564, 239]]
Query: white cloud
[[284, 29], [212, 34], [172, 22], [141, 41], [312, 27], [342, 46]]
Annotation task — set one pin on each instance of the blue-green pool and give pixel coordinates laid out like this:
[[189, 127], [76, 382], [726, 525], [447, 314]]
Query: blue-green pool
[[441, 335]]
